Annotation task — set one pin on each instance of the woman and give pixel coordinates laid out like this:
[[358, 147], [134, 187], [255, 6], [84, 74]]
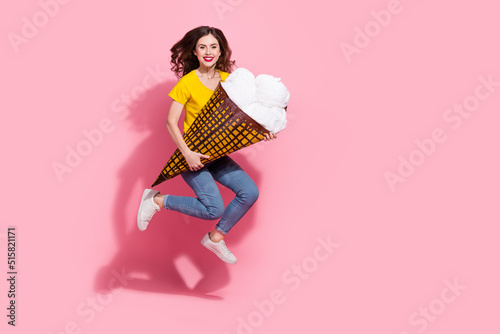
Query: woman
[[201, 59]]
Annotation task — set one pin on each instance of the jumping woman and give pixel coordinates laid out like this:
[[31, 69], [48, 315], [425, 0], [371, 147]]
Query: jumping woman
[[202, 59]]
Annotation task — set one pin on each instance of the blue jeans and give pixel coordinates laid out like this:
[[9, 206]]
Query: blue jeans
[[209, 204]]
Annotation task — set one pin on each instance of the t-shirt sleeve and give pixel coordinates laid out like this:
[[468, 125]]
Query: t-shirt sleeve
[[224, 76], [180, 92]]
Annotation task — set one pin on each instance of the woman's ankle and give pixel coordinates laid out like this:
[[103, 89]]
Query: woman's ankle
[[216, 235], [158, 199]]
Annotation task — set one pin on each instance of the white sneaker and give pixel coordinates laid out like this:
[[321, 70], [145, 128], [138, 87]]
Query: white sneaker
[[147, 209], [219, 248]]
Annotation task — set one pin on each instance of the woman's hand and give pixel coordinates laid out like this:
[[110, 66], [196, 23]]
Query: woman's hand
[[193, 160], [270, 136]]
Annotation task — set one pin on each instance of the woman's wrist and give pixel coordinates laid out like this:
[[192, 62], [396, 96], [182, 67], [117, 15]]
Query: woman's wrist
[[184, 150]]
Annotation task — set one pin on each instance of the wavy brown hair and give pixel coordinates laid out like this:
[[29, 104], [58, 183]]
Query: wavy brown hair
[[184, 61]]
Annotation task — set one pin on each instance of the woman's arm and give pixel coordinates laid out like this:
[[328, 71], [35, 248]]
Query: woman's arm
[[192, 158]]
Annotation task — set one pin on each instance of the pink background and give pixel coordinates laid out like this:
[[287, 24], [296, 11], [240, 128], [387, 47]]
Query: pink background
[[350, 120]]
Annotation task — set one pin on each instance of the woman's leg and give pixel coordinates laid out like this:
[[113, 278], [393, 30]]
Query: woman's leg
[[207, 205], [228, 173]]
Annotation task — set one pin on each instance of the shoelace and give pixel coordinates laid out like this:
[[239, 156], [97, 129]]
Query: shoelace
[[150, 214], [224, 248]]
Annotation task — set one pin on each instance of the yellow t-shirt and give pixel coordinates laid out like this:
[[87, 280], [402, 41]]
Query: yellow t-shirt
[[193, 94]]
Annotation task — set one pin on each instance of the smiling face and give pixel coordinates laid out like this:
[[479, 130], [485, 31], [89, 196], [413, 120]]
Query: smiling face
[[207, 50]]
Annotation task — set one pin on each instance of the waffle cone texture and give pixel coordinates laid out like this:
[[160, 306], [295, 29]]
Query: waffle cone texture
[[220, 129]]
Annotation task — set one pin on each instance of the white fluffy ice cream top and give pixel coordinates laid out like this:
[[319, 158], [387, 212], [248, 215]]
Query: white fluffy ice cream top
[[263, 98]]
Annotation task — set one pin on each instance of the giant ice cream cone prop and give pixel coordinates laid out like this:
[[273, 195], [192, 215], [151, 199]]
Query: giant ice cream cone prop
[[239, 113], [220, 129]]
